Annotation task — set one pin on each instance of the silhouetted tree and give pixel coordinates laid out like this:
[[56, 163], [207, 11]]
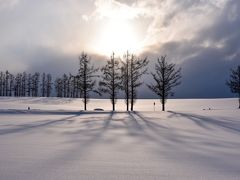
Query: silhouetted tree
[[18, 85], [132, 70], [12, 82], [1, 83], [72, 85], [23, 84], [111, 80], [35, 84], [65, 84], [137, 69], [43, 85], [49, 85], [166, 77], [68, 85], [86, 75], [58, 87], [126, 78], [29, 85], [234, 82], [7, 83]]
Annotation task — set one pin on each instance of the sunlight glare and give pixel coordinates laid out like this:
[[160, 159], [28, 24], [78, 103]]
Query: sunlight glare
[[119, 37]]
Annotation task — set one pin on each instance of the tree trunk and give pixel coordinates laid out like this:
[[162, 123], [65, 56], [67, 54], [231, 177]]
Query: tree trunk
[[163, 104], [85, 100], [132, 95], [85, 103], [132, 102], [113, 103], [127, 76], [239, 100]]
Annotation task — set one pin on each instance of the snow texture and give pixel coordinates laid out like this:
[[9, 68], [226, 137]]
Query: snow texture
[[55, 140]]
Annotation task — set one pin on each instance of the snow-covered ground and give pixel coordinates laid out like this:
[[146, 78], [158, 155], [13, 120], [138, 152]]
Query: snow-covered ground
[[55, 140], [141, 105]]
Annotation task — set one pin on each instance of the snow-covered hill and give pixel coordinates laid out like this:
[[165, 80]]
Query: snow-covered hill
[[55, 140]]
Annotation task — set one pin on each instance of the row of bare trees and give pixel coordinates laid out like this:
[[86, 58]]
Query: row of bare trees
[[67, 86], [125, 75], [23, 84], [36, 84], [116, 75]]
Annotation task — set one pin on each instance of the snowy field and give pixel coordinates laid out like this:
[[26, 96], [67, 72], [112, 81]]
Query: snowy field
[[56, 140]]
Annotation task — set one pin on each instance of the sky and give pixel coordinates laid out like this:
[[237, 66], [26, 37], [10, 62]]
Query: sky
[[200, 36]]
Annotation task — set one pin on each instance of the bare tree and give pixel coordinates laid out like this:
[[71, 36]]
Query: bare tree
[[18, 85], [35, 84], [69, 86], [29, 85], [132, 70], [234, 82], [111, 80], [137, 69], [24, 80], [86, 75], [65, 84], [1, 83], [43, 85], [49, 85], [12, 82], [7, 77], [126, 78], [58, 87], [166, 77]]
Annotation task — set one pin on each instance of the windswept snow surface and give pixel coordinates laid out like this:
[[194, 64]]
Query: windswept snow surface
[[55, 140]]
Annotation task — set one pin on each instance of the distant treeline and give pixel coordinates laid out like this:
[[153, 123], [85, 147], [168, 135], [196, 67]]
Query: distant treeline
[[25, 84], [38, 85]]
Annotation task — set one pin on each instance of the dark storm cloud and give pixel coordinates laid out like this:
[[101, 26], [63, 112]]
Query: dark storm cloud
[[41, 59], [206, 59], [51, 61]]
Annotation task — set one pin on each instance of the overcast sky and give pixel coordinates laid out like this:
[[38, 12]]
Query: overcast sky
[[201, 36]]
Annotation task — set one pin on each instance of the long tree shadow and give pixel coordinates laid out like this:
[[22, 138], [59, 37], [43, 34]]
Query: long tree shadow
[[35, 125], [136, 124], [45, 123], [92, 126], [175, 138], [169, 135], [153, 131], [148, 123], [205, 122], [89, 133], [83, 140], [38, 112]]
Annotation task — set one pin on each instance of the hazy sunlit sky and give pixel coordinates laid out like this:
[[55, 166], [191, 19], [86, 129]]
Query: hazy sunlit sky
[[201, 36]]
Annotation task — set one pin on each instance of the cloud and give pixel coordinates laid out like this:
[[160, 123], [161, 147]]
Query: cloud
[[8, 3], [201, 36], [206, 57]]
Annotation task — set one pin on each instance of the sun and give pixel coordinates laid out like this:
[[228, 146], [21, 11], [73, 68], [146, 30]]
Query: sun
[[118, 36]]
